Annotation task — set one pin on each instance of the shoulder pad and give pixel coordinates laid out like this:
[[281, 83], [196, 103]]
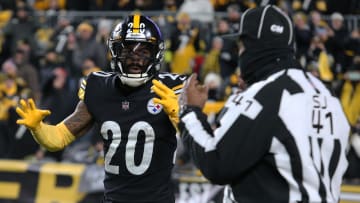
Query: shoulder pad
[[173, 81], [91, 76], [81, 91], [171, 78], [101, 74]]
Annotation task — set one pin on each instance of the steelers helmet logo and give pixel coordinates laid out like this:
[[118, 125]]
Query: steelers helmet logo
[[154, 108]]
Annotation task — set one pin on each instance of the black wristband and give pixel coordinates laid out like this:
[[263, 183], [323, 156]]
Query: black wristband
[[184, 109]]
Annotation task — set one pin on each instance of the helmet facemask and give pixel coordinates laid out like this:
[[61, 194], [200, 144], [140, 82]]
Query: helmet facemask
[[136, 50], [135, 62]]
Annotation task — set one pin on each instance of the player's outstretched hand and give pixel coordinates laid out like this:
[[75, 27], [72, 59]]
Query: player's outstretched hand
[[30, 115], [167, 99]]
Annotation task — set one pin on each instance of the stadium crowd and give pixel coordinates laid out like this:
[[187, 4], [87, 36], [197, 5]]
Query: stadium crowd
[[46, 51]]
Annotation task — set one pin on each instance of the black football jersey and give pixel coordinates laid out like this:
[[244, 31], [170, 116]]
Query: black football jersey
[[139, 139]]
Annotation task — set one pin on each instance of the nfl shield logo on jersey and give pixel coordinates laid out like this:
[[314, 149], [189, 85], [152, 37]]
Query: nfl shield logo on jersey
[[125, 105], [154, 108]]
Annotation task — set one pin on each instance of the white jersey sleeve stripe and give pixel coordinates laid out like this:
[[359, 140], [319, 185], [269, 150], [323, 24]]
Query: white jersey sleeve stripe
[[195, 128]]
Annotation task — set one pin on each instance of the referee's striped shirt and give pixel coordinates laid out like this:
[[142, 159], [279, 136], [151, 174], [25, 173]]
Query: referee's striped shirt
[[281, 140]]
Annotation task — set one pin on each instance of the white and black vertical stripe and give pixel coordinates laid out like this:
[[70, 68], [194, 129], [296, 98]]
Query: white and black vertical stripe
[[322, 189], [242, 21], [334, 161], [262, 21], [289, 22], [290, 149]]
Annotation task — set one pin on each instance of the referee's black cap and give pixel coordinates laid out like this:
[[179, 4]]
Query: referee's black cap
[[266, 24]]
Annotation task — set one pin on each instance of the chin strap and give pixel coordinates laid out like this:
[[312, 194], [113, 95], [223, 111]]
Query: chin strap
[[133, 82]]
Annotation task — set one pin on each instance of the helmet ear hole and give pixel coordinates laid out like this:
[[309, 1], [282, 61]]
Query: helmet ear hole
[[115, 48]]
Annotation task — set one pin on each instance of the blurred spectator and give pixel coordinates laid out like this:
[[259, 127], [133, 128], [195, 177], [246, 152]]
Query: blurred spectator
[[316, 23], [51, 10], [12, 88], [88, 67], [184, 44], [22, 27], [307, 6], [198, 10], [211, 63], [315, 48], [30, 56], [229, 52], [50, 61], [202, 15], [233, 18], [28, 72], [319, 62], [61, 31], [214, 82], [353, 43], [87, 47], [43, 38], [68, 52], [104, 27], [352, 48], [350, 94], [338, 35], [285, 6], [59, 98], [166, 24], [5, 16], [303, 36], [171, 5]]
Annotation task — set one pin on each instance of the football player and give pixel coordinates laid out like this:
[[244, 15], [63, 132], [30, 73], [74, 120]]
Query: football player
[[138, 131]]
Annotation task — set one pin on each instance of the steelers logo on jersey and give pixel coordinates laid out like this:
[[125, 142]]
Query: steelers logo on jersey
[[154, 108]]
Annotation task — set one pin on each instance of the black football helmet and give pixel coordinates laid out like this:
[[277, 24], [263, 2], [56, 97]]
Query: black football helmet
[[127, 36]]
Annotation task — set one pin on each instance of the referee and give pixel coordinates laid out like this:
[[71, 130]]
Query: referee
[[283, 139]]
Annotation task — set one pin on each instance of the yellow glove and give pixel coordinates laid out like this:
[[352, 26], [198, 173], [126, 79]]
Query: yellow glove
[[31, 116], [168, 100], [52, 137]]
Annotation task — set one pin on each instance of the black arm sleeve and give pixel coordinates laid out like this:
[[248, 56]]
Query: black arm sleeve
[[228, 152]]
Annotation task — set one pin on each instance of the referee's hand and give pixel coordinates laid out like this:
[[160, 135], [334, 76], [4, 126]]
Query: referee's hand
[[194, 93]]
